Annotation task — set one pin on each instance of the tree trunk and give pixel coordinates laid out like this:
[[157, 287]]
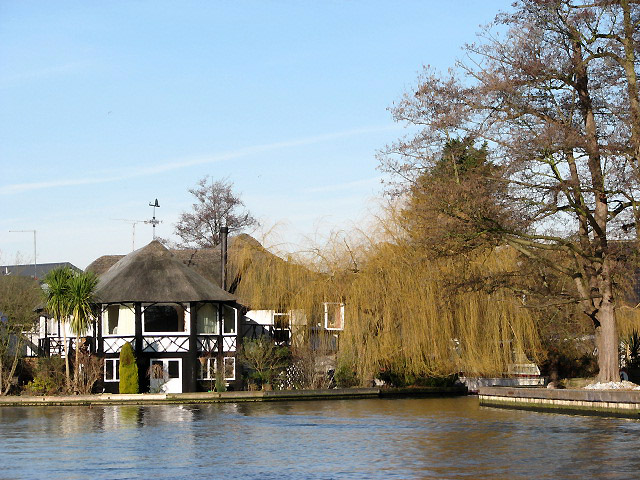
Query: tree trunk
[[597, 264], [628, 63], [14, 365], [66, 355], [76, 365], [608, 340]]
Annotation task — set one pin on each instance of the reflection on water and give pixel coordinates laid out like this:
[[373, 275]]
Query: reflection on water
[[409, 438]]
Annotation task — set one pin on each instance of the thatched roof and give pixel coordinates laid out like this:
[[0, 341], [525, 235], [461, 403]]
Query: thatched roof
[[205, 261], [103, 263], [153, 274]]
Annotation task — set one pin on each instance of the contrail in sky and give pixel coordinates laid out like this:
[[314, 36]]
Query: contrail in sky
[[189, 162]]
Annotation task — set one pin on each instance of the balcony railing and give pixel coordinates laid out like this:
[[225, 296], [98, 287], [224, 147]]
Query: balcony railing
[[114, 344], [150, 343], [55, 345], [166, 343]]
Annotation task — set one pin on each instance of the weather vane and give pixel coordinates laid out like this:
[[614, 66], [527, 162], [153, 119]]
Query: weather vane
[[153, 221]]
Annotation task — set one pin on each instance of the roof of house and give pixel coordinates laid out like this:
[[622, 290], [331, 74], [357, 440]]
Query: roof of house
[[205, 261], [153, 274], [41, 269]]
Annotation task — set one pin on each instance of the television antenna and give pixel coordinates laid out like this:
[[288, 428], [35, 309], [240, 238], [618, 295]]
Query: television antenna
[[133, 232], [35, 263]]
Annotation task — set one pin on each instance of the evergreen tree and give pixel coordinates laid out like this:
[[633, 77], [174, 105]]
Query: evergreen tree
[[128, 370]]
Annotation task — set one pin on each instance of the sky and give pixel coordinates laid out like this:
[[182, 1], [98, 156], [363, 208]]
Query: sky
[[106, 106]]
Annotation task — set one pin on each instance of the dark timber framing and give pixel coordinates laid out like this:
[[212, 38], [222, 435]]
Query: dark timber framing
[[153, 276]]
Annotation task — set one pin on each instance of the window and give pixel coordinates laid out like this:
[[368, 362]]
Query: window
[[207, 368], [164, 318], [207, 319], [112, 370], [113, 314], [52, 327], [174, 369], [229, 368], [281, 327], [334, 316], [156, 372], [119, 320], [281, 320], [229, 320]]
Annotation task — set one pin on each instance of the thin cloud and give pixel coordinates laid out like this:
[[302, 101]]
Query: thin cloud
[[180, 164], [345, 186], [25, 187], [257, 149], [14, 79]]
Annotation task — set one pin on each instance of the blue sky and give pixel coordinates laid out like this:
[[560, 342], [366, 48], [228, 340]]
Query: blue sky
[[105, 106]]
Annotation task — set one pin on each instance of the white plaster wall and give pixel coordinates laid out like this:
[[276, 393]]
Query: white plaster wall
[[187, 318], [265, 317], [262, 317]]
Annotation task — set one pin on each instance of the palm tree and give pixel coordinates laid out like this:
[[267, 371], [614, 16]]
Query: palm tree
[[57, 304], [82, 288]]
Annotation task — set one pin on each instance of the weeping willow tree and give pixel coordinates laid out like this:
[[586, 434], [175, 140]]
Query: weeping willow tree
[[410, 312], [628, 318], [403, 310], [299, 286]]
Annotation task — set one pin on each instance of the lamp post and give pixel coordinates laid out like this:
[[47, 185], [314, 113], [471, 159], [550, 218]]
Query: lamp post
[[224, 232], [35, 264]]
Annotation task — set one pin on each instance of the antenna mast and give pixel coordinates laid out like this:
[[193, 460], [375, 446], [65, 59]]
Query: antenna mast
[[153, 221], [133, 233], [35, 263]]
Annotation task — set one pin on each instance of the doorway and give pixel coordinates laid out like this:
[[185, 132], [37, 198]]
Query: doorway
[[166, 375]]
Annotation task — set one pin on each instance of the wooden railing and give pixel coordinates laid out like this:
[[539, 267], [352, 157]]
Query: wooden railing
[[150, 343], [55, 345], [114, 344]]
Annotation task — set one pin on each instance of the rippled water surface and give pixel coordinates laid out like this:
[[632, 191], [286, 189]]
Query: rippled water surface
[[406, 438]]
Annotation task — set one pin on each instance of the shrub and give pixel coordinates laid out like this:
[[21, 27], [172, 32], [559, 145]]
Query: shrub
[[221, 385], [128, 370], [48, 377], [430, 381], [264, 359], [569, 359], [395, 375], [90, 371], [308, 369], [345, 376]]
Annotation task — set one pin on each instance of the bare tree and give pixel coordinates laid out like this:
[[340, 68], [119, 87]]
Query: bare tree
[[555, 98], [217, 205]]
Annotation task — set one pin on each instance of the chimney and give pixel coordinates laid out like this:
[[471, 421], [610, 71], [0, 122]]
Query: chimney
[[224, 232]]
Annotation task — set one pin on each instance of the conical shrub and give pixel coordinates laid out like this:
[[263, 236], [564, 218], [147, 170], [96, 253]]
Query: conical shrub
[[128, 370]]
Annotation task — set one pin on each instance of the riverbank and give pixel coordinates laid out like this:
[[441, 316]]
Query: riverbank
[[215, 397], [616, 403]]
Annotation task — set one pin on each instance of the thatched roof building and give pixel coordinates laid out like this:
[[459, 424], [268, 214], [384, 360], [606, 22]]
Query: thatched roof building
[[153, 274], [206, 261]]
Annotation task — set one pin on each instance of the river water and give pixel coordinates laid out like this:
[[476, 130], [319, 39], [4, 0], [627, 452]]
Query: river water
[[350, 439]]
